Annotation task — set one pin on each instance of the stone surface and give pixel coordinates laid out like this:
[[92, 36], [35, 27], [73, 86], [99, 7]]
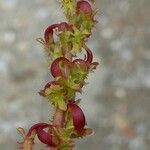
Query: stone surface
[[116, 100]]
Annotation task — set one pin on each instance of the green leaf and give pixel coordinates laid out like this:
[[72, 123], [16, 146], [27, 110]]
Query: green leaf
[[69, 7], [56, 96], [57, 52], [21, 131], [76, 79], [70, 93], [77, 40], [65, 37], [58, 99], [87, 25], [69, 121], [61, 104]]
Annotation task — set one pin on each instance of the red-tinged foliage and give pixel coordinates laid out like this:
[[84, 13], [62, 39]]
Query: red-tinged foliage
[[84, 6], [63, 26], [48, 85], [78, 117], [43, 136], [36, 126], [57, 70], [48, 35], [89, 56], [87, 60], [86, 63]]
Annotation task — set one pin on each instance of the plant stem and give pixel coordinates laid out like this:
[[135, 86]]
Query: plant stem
[[58, 120], [59, 116]]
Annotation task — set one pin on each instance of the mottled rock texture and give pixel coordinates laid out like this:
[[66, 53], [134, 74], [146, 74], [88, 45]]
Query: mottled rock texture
[[117, 98]]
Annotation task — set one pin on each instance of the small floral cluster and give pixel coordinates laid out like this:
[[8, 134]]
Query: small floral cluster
[[62, 42]]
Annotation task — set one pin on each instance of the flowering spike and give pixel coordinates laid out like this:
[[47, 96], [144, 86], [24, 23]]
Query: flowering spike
[[69, 75]]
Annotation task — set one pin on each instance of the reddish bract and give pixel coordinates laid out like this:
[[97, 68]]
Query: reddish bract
[[84, 6], [48, 85], [63, 26], [77, 115], [36, 126], [85, 63], [56, 69], [43, 136], [89, 56], [48, 35]]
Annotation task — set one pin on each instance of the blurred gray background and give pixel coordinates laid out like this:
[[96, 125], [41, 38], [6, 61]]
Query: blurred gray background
[[116, 101]]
